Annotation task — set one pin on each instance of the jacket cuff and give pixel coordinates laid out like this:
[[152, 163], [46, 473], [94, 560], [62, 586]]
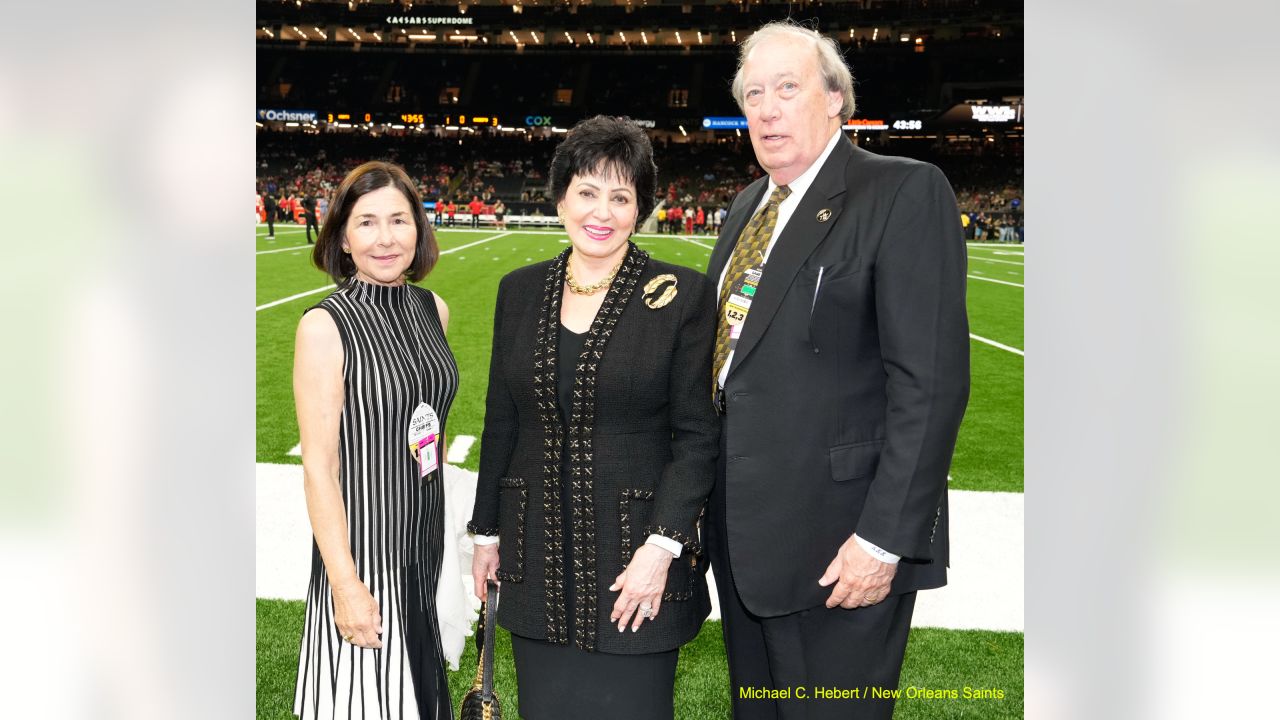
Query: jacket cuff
[[689, 544], [475, 529]]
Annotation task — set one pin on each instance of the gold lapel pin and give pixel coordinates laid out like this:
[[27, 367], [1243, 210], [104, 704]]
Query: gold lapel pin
[[667, 295], [824, 215]]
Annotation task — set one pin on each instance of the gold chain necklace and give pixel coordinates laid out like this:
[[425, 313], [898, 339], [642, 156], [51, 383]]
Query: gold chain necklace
[[589, 289]]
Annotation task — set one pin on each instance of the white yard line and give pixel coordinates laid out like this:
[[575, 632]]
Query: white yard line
[[459, 446], [478, 242], [993, 260], [692, 241], [993, 343], [987, 279], [291, 298], [280, 250]]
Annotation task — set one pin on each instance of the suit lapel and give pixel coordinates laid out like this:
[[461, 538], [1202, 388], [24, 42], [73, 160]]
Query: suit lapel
[[802, 235], [734, 222]]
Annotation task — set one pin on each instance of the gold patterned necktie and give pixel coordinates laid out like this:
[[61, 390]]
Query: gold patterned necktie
[[747, 254]]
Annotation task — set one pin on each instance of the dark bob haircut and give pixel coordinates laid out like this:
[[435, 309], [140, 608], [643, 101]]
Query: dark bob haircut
[[328, 254], [605, 145]]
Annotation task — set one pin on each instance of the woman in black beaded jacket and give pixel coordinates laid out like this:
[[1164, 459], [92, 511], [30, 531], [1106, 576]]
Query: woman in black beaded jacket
[[599, 447]]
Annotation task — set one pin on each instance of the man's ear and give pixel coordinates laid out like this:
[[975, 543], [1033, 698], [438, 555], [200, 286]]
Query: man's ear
[[835, 101]]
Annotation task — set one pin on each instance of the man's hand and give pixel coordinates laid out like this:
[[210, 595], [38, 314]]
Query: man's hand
[[862, 579]]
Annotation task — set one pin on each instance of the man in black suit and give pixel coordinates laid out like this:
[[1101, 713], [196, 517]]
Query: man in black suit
[[309, 213], [842, 374]]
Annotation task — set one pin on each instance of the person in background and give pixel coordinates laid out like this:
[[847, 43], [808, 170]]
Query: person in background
[[475, 207], [272, 206], [500, 215], [309, 213], [599, 448]]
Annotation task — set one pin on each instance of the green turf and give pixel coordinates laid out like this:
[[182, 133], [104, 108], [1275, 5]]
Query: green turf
[[935, 660], [988, 454]]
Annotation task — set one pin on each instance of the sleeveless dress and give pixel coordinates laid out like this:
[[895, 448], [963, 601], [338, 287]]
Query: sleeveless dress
[[395, 357]]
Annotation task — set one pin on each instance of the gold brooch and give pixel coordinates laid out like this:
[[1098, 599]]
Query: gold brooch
[[824, 215], [651, 288]]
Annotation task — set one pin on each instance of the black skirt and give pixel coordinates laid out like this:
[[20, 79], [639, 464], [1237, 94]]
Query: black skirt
[[562, 682]]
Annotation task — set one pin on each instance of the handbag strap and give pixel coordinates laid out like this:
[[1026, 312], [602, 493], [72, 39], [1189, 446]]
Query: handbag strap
[[490, 610]]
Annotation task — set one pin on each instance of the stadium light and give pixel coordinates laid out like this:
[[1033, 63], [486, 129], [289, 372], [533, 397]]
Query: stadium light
[[353, 33], [427, 36], [379, 37], [568, 37], [738, 132], [514, 39], [644, 36], [291, 124], [678, 40], [699, 37], [733, 34], [534, 34], [591, 39], [622, 36], [304, 35], [267, 30], [464, 37], [321, 32], [875, 33]]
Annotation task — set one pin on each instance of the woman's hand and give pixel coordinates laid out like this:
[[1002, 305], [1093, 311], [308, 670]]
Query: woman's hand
[[484, 566], [356, 614], [641, 585]]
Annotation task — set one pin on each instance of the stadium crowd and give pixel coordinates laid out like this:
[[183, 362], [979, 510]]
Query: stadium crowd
[[697, 180]]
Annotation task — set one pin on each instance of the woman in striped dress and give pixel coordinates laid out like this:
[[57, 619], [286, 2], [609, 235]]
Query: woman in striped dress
[[373, 382]]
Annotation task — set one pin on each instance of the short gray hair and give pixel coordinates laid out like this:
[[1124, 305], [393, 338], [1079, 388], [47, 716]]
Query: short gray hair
[[835, 72]]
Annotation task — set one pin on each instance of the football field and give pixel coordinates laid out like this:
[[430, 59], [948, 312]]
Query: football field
[[988, 454], [988, 459]]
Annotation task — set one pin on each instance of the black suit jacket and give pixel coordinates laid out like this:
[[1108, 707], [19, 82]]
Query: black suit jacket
[[845, 395], [651, 465]]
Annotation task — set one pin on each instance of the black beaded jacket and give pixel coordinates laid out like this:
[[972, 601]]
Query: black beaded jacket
[[640, 446]]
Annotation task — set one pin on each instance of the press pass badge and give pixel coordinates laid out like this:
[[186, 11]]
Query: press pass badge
[[424, 439]]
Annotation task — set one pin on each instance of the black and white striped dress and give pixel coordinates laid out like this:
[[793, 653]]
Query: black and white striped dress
[[395, 356]]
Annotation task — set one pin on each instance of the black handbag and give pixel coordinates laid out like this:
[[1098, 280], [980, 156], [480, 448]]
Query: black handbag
[[481, 702]]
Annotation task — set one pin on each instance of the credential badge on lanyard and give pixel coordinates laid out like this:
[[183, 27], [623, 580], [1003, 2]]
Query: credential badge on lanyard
[[424, 439]]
